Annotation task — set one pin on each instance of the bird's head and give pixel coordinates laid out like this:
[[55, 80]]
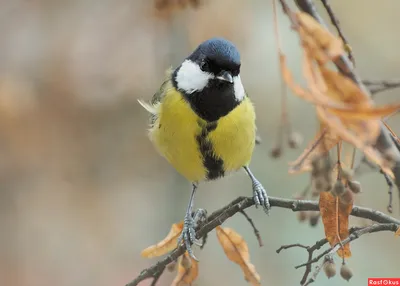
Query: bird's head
[[210, 77]]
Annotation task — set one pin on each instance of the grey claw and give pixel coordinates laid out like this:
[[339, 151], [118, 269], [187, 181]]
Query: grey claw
[[199, 217], [189, 249], [260, 196], [198, 242], [188, 236]]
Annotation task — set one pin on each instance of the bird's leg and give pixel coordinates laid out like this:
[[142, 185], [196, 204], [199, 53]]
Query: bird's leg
[[259, 194], [188, 235]]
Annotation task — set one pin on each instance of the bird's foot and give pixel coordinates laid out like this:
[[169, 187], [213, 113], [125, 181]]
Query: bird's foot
[[199, 217], [260, 196], [188, 235]]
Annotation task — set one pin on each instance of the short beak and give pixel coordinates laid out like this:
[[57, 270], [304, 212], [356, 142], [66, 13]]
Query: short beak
[[225, 76]]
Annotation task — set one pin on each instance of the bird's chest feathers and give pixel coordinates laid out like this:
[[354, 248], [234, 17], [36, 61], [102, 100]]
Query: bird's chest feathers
[[199, 149], [234, 137]]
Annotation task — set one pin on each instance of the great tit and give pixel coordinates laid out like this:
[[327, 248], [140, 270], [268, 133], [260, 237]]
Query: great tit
[[203, 122]]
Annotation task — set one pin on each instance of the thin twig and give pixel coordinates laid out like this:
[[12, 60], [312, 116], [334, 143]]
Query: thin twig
[[256, 231], [285, 124], [157, 277], [353, 236], [355, 233], [310, 250], [284, 247], [335, 22], [327, 259], [377, 86], [204, 241], [241, 203], [389, 182]]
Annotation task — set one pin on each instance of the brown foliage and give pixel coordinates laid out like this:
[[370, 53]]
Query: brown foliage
[[166, 245], [188, 270], [335, 213], [235, 248]]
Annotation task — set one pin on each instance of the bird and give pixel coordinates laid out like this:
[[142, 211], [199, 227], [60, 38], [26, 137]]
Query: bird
[[203, 123]]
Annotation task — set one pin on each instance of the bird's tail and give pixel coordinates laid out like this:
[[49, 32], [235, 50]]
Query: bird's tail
[[150, 108]]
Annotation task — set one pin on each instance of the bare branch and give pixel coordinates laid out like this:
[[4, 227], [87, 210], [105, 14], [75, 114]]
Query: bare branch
[[377, 86], [220, 216], [157, 277], [284, 247], [328, 254], [335, 22], [310, 250], [256, 231], [355, 233]]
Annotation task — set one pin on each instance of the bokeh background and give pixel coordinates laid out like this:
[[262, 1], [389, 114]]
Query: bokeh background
[[82, 191]]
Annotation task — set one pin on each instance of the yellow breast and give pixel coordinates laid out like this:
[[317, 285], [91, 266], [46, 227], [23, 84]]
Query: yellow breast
[[178, 135], [174, 135], [234, 138]]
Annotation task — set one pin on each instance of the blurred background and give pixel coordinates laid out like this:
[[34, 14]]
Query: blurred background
[[82, 191]]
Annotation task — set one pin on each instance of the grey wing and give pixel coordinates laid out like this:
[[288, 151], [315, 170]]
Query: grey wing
[[156, 100]]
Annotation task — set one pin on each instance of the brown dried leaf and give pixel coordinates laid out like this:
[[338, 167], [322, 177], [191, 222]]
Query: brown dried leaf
[[397, 232], [317, 38], [366, 113], [288, 78], [344, 110], [336, 224], [235, 248], [188, 270], [313, 79], [342, 89], [342, 131], [312, 75], [168, 244]]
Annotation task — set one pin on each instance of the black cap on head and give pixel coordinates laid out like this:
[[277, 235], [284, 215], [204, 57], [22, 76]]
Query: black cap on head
[[217, 54]]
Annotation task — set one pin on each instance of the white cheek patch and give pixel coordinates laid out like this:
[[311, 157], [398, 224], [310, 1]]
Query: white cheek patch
[[191, 78], [238, 87]]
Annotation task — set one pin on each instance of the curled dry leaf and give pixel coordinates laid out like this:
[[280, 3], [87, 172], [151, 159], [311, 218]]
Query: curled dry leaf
[[324, 45], [336, 224], [188, 270], [345, 134], [344, 110], [235, 248], [302, 92], [362, 110], [166, 245]]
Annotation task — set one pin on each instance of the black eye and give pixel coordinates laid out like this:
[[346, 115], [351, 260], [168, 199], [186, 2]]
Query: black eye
[[236, 71], [205, 66]]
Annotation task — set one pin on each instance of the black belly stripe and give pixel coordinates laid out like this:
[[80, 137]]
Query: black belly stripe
[[213, 164]]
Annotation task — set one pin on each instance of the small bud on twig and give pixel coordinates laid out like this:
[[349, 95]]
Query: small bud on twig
[[329, 268], [355, 186], [338, 188], [295, 139], [346, 272]]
